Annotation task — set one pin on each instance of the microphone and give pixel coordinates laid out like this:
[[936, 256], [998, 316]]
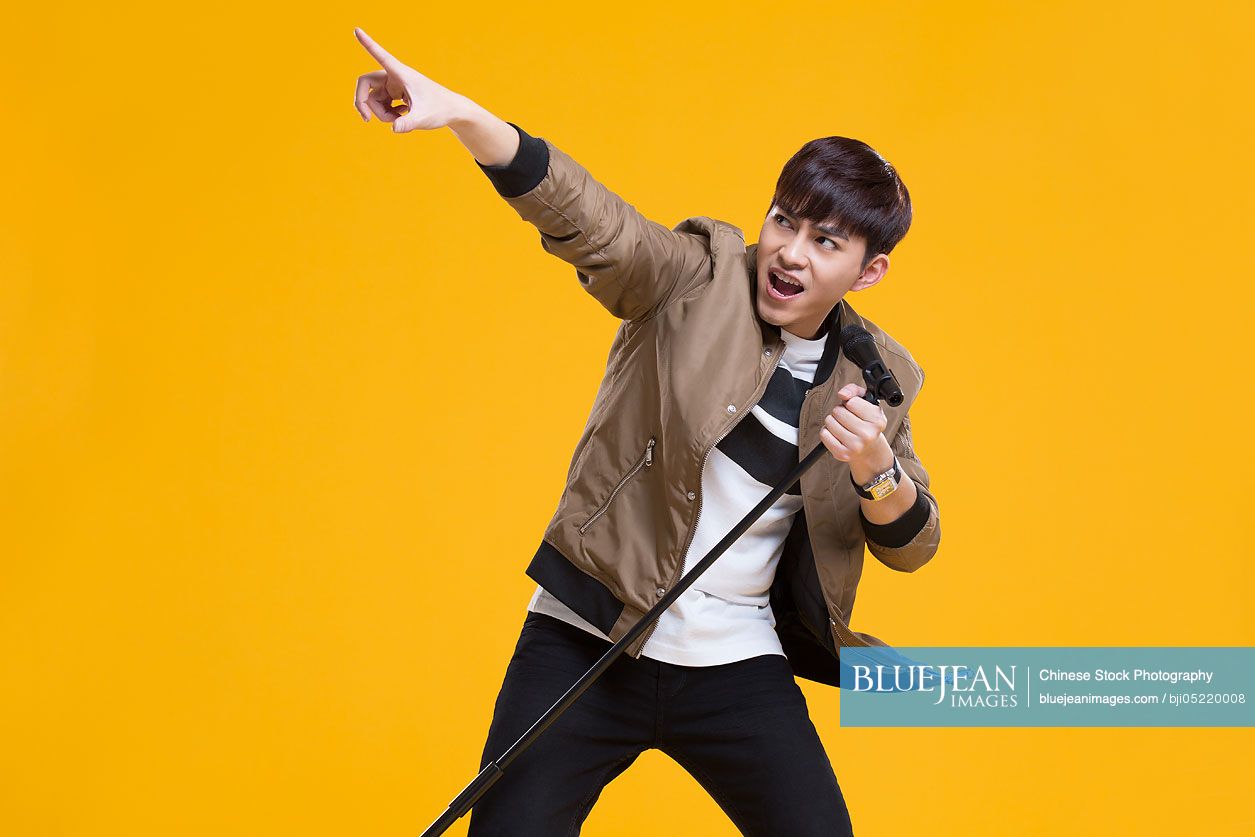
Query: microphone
[[860, 347]]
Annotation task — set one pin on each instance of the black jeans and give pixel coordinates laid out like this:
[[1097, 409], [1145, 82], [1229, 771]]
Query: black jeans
[[740, 729]]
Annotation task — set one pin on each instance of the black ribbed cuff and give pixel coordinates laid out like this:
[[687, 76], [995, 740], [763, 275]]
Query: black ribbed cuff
[[522, 174], [898, 532]]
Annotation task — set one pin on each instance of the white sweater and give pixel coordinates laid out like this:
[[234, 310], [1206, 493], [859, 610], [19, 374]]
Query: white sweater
[[726, 615]]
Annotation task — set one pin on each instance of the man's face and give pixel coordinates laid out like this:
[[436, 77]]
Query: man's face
[[820, 258]]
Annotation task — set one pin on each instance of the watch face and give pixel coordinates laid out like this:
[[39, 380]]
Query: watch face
[[883, 488], [884, 484]]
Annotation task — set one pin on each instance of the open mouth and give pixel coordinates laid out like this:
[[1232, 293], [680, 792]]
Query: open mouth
[[780, 288]]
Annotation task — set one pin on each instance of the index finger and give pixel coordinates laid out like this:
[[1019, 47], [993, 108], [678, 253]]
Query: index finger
[[851, 390], [377, 52], [863, 408]]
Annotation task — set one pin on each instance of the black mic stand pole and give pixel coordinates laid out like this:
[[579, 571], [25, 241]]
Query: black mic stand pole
[[495, 769]]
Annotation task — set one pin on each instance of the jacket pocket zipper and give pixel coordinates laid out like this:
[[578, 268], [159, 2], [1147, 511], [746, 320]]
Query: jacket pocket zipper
[[848, 638], [646, 460]]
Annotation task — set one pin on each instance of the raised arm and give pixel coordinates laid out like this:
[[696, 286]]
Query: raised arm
[[633, 266]]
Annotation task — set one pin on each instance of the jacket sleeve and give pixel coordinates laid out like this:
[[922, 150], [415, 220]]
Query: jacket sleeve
[[910, 542], [633, 266]]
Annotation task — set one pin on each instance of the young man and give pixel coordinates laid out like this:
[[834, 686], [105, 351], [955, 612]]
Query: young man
[[724, 373]]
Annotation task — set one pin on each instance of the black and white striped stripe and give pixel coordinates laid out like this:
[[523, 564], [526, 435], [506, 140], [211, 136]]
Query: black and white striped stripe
[[764, 444]]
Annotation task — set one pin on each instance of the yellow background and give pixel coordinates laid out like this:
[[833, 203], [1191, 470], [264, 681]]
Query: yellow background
[[286, 400]]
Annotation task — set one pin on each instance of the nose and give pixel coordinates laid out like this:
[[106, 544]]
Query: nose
[[794, 252]]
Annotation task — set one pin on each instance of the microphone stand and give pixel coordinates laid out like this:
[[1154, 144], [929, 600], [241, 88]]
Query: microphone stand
[[495, 769]]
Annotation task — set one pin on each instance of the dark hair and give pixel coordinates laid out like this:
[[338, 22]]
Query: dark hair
[[844, 181]]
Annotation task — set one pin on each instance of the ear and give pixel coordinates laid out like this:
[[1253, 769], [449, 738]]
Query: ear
[[873, 273]]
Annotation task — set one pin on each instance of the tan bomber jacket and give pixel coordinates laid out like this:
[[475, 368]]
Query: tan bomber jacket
[[689, 360]]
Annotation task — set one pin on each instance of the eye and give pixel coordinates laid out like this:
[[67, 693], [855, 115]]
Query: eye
[[782, 220], [830, 241]]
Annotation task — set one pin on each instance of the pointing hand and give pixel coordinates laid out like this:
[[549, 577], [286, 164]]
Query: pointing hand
[[427, 105]]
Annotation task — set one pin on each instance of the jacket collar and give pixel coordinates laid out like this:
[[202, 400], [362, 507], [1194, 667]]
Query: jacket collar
[[841, 316]]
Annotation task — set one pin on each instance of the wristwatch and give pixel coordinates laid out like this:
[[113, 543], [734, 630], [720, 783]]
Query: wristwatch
[[881, 485]]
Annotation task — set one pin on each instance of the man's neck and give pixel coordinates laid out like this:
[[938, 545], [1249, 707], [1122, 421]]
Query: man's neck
[[823, 327]]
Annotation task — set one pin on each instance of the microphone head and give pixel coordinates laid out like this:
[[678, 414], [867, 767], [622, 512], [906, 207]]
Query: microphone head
[[859, 345]]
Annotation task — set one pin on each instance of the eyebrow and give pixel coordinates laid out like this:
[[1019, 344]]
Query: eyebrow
[[833, 231]]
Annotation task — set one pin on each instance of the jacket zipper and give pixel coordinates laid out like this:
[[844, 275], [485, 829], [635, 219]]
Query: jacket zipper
[[646, 460], [848, 639], [693, 529]]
